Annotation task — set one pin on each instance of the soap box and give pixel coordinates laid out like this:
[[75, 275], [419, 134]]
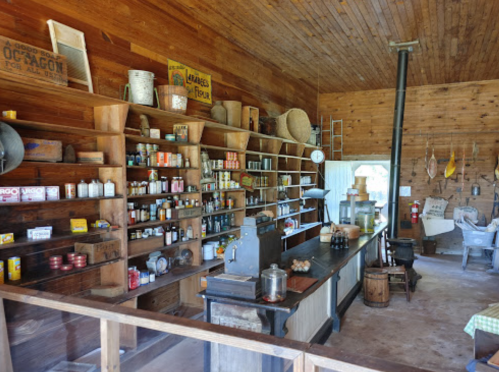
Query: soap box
[[6, 238], [33, 193], [52, 192], [79, 225], [154, 133], [10, 194]]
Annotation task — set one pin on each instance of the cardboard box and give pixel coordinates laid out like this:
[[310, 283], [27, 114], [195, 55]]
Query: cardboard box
[[78, 225], [32, 193], [181, 132], [6, 238], [100, 251], [52, 192], [154, 133], [42, 150], [10, 194], [92, 157]]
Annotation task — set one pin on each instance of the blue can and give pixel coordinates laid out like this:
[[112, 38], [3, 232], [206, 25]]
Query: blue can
[[144, 277]]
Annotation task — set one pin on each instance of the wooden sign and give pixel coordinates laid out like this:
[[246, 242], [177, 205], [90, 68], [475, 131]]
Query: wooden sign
[[27, 60], [247, 181], [198, 83]]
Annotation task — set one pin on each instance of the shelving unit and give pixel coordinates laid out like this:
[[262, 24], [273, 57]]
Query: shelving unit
[[90, 122]]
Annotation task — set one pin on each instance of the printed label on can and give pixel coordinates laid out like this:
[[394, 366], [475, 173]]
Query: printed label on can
[[14, 268]]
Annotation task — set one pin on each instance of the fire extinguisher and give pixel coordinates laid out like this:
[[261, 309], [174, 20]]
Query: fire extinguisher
[[415, 212]]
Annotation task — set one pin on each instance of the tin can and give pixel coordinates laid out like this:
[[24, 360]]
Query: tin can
[[144, 277], [133, 236], [2, 277], [162, 214], [71, 256], [141, 147], [14, 264], [149, 148], [160, 158], [70, 189], [67, 267], [139, 234], [153, 174]]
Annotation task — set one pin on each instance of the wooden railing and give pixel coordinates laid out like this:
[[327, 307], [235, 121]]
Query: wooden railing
[[304, 357]]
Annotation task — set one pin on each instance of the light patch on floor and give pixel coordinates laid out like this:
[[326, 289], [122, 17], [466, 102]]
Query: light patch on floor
[[428, 331]]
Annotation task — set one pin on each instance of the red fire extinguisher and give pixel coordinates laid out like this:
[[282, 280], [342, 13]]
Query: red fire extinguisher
[[415, 212]]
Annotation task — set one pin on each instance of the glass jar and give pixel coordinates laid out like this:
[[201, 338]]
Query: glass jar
[[274, 284]]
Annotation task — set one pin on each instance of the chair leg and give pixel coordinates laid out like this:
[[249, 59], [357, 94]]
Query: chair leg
[[407, 291], [466, 252]]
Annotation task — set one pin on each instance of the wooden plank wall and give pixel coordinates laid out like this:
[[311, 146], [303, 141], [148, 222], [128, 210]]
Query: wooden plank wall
[[468, 110], [129, 34]]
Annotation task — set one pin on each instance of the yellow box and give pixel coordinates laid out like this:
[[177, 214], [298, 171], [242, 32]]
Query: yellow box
[[14, 268], [6, 238], [2, 270], [79, 225]]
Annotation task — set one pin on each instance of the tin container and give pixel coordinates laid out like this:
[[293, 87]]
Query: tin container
[[144, 277], [71, 256], [2, 272], [170, 137], [14, 264], [66, 267], [70, 189], [152, 174]]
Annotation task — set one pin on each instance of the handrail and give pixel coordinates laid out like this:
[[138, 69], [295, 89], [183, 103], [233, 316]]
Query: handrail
[[304, 356]]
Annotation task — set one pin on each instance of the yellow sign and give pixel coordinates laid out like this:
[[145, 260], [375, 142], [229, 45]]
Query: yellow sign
[[198, 84]]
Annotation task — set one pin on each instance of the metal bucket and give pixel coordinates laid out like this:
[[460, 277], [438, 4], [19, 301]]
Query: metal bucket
[[141, 87]]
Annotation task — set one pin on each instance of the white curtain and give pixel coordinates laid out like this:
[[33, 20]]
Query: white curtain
[[338, 178]]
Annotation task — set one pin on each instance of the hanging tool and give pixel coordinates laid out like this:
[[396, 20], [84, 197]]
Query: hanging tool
[[451, 165], [426, 154], [432, 164]]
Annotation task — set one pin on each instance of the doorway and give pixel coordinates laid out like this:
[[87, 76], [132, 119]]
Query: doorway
[[340, 175]]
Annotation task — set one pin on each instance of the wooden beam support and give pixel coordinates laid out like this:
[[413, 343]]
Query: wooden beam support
[[5, 356], [110, 345]]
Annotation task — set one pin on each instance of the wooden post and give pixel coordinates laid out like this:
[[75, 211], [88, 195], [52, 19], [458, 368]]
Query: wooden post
[[110, 345], [4, 342]]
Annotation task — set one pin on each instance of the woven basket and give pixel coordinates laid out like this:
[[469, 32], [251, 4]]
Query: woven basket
[[294, 125]]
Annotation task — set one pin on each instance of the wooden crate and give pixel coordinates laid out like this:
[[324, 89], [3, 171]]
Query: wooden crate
[[42, 150], [100, 251], [253, 113], [139, 246]]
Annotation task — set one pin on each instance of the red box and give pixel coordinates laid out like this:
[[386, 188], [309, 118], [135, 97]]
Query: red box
[[33, 193], [52, 192], [10, 194]]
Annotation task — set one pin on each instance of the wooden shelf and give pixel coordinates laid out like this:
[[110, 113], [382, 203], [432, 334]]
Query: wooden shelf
[[308, 210], [259, 171], [46, 127], [231, 230], [129, 197], [173, 276], [163, 248], [287, 201], [302, 229], [303, 171], [289, 156], [158, 141], [42, 164], [260, 206], [222, 190], [159, 168], [164, 116], [265, 188], [80, 200], [223, 211], [250, 152], [221, 148], [308, 184], [22, 242], [287, 215], [286, 171], [32, 278], [157, 223], [288, 186], [222, 127]]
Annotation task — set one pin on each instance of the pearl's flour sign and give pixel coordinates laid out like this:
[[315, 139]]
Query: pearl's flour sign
[[27, 60], [198, 83]]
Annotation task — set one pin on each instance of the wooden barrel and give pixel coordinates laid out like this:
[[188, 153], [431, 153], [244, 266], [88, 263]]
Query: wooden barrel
[[376, 291]]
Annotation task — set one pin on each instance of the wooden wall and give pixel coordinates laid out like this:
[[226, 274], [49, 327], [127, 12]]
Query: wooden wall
[[131, 34], [467, 110]]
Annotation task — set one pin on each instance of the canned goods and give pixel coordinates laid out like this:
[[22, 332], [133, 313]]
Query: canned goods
[[133, 236], [162, 214], [152, 174], [2, 270], [14, 264], [139, 234], [141, 148], [67, 267], [70, 189], [71, 256], [144, 277], [149, 148]]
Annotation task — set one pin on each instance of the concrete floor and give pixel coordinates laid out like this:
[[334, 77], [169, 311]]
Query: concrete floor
[[428, 331]]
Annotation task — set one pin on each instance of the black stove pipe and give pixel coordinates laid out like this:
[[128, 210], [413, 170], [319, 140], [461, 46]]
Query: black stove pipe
[[398, 121]]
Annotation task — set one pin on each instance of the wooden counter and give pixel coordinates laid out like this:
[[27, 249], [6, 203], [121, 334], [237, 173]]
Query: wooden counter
[[321, 305]]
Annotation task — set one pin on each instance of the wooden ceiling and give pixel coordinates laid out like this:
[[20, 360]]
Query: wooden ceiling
[[342, 45]]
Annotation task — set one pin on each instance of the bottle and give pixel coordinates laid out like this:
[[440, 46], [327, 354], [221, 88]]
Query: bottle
[[101, 187], [180, 184], [168, 213], [153, 188], [174, 185], [217, 225], [209, 225], [144, 213], [181, 234], [233, 219], [187, 163], [203, 228], [109, 189], [82, 189], [93, 189], [174, 234], [153, 212], [164, 184], [190, 233], [168, 236]]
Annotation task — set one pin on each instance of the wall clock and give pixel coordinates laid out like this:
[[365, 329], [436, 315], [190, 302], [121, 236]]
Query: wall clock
[[318, 156]]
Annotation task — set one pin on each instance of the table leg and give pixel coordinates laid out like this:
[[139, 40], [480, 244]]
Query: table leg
[[334, 302], [495, 263], [278, 321], [207, 345], [466, 252]]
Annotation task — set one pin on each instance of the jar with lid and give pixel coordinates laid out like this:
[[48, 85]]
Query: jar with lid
[[133, 278], [274, 285]]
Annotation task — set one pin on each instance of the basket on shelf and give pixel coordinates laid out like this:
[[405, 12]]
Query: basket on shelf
[[294, 125]]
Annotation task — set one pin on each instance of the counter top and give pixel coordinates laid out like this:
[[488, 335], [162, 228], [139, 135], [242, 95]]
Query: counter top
[[325, 263]]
